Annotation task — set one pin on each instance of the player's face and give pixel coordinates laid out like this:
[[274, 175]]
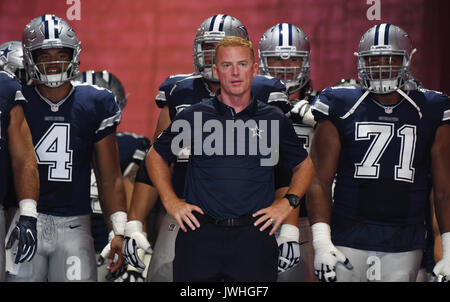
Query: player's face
[[385, 62], [288, 75], [53, 60], [208, 48], [235, 70]]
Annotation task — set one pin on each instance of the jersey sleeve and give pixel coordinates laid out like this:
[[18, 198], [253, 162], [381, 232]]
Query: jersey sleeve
[[108, 115], [323, 107], [165, 89], [163, 144], [440, 104], [11, 91]]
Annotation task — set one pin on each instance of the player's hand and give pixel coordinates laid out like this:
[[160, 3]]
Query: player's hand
[[181, 211], [106, 250], [274, 215], [289, 248], [134, 239], [441, 270], [26, 234], [301, 113], [326, 255], [115, 258]]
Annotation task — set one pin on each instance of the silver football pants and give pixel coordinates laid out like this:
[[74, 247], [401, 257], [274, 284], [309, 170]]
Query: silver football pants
[[65, 252]]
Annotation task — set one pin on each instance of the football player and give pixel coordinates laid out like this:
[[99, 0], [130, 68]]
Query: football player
[[72, 126], [177, 93], [132, 150], [386, 143], [17, 159], [284, 52]]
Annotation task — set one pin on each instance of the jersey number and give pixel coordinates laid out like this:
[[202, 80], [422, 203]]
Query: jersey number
[[382, 134], [53, 150]]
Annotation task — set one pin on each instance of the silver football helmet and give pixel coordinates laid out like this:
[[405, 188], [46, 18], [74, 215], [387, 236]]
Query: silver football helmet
[[50, 31], [285, 41], [213, 30], [11, 59], [385, 40], [106, 80]]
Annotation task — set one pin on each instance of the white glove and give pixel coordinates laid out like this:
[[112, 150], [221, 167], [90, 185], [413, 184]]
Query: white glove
[[442, 269], [326, 255], [288, 246], [134, 239], [105, 252], [132, 274], [301, 113]]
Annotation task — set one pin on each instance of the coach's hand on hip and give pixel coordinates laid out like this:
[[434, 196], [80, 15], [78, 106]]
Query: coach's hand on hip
[[182, 211], [274, 215]]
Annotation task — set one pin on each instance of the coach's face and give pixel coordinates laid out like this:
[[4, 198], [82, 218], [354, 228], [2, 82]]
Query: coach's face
[[235, 70]]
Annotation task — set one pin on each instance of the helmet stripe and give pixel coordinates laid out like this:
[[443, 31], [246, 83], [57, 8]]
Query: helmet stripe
[[46, 30], [211, 25], [290, 34], [376, 34], [386, 34], [55, 27], [222, 22], [280, 35]]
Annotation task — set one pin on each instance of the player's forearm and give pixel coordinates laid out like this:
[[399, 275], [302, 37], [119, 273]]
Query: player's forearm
[[143, 200], [113, 198], [318, 202], [26, 180]]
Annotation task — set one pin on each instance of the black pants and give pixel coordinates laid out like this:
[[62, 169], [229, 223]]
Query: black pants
[[221, 253]]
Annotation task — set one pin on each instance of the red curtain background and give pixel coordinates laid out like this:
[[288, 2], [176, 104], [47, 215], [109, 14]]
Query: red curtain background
[[142, 41]]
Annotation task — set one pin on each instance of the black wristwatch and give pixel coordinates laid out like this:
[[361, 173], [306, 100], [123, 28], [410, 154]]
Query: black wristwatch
[[293, 199]]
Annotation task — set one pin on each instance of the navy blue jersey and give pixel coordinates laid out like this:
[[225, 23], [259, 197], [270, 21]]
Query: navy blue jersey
[[232, 179], [132, 149], [64, 136], [10, 96], [383, 175], [181, 91]]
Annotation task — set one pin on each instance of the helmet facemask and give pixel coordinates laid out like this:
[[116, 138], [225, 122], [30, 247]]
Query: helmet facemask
[[204, 54], [383, 73], [294, 77]]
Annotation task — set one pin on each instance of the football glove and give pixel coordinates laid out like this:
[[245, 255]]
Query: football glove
[[131, 274], [25, 232], [106, 250], [326, 255], [134, 239], [301, 113], [288, 246], [442, 269]]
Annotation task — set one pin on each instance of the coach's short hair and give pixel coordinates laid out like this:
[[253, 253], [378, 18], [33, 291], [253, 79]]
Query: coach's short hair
[[231, 41]]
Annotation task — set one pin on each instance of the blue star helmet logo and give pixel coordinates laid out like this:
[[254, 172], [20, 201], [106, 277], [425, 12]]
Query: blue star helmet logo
[[5, 52]]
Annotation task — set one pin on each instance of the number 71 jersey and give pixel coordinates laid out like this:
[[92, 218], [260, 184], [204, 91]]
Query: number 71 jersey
[[384, 170], [64, 135]]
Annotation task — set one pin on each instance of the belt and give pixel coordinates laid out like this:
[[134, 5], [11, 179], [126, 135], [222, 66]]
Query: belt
[[228, 222]]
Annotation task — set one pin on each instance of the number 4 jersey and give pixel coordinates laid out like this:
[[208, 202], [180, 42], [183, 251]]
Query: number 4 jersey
[[383, 179], [64, 135]]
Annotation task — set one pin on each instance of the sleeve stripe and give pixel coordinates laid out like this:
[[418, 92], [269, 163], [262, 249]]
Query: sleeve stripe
[[321, 107], [108, 122], [19, 96], [446, 115], [161, 96]]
